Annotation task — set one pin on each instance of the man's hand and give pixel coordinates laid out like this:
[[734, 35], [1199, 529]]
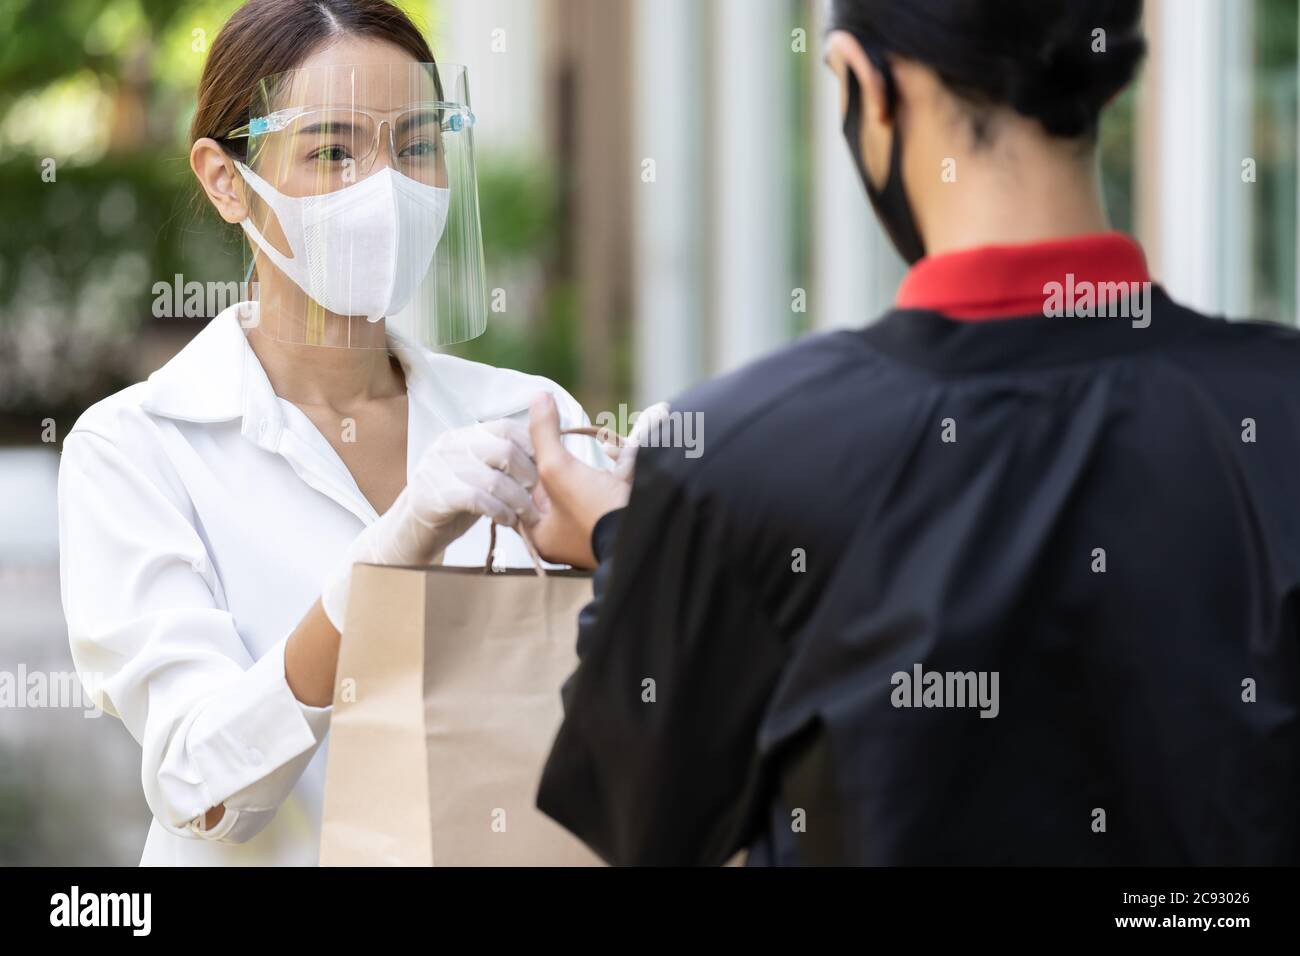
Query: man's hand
[[570, 496]]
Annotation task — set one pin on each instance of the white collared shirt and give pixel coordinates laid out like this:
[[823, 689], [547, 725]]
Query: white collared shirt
[[198, 516]]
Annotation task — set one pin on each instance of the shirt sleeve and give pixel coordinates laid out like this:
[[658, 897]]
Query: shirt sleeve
[[153, 645], [657, 760]]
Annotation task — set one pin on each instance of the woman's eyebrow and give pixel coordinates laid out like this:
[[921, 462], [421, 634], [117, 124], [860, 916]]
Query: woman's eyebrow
[[329, 126], [418, 118]]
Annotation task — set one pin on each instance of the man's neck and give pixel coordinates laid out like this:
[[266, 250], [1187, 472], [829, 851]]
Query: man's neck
[[1043, 200]]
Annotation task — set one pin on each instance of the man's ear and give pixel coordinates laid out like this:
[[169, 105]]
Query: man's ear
[[219, 178]]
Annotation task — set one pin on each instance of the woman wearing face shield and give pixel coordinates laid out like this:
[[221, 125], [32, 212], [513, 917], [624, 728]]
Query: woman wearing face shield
[[1009, 575], [210, 517]]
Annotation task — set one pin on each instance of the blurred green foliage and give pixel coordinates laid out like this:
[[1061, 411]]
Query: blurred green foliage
[[76, 274], [1117, 148], [1275, 133], [49, 41], [520, 216]]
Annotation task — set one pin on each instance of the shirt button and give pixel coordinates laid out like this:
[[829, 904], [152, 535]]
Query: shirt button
[[254, 756], [199, 565], [263, 427]]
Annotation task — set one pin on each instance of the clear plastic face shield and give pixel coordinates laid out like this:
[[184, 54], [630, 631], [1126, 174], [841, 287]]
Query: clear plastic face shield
[[364, 206]]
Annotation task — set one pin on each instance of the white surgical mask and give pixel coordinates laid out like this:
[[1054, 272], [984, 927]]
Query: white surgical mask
[[361, 250]]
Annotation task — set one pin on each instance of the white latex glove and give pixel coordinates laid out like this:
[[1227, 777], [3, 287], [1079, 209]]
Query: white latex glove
[[468, 472], [624, 456]]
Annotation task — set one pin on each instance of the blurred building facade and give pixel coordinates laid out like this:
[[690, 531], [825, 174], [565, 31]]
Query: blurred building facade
[[712, 197]]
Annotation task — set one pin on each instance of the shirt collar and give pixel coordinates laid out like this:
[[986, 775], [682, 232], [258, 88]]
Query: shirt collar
[[205, 381], [1004, 281]]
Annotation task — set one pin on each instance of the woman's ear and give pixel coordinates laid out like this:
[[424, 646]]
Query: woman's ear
[[845, 54], [218, 177]]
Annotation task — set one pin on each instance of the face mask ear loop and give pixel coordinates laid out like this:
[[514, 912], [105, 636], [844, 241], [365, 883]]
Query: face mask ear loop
[[270, 197], [891, 104], [890, 200]]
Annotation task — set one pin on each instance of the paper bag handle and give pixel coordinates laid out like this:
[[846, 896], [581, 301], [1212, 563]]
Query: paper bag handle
[[607, 435], [600, 434], [528, 543]]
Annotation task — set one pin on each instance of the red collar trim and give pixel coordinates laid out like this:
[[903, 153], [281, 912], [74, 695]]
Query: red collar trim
[[996, 282]]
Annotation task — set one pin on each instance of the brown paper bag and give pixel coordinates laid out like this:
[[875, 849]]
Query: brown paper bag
[[446, 706]]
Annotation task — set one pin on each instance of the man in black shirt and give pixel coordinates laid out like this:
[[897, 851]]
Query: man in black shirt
[[987, 581]]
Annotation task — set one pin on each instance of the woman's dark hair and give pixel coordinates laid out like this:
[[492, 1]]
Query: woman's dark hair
[[266, 37], [1056, 61]]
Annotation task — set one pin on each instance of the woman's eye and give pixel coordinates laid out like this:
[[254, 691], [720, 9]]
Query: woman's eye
[[421, 148], [330, 154]]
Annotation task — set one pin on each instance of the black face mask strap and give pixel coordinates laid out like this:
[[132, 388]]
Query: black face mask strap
[[890, 203]]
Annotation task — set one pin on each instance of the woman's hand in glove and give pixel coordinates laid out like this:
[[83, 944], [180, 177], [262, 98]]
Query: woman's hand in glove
[[466, 473]]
